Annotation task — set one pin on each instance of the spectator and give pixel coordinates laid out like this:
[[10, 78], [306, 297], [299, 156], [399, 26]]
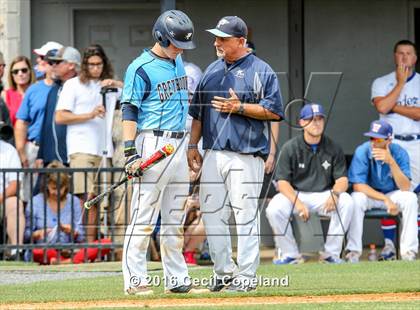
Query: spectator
[[396, 97], [20, 78], [312, 177], [29, 122], [9, 203], [65, 65], [380, 174], [80, 107], [41, 64], [55, 217], [194, 231]]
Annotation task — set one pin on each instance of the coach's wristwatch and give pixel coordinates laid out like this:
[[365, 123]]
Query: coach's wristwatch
[[241, 109]]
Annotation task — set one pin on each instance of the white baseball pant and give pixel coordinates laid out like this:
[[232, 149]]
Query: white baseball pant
[[406, 201], [164, 187], [279, 212], [231, 182]]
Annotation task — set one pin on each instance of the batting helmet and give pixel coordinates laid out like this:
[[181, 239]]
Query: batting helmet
[[174, 27]]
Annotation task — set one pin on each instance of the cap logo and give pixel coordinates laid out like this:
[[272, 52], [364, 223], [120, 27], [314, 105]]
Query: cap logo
[[172, 33], [188, 35], [315, 109], [376, 127], [222, 22]]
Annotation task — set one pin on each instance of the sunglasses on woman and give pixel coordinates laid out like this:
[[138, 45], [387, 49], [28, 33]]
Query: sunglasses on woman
[[23, 70]]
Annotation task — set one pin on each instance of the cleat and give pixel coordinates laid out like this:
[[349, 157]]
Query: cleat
[[288, 261], [388, 252], [139, 291], [352, 257], [410, 256], [216, 285], [331, 260]]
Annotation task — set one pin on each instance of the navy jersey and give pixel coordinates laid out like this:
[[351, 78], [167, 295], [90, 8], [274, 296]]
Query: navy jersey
[[254, 82], [157, 87]]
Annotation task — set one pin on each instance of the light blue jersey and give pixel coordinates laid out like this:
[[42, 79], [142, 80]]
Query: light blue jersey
[[157, 87]]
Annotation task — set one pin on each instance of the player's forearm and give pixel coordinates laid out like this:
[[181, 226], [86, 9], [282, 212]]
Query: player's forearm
[[275, 130], [68, 118], [369, 191], [287, 190], [386, 104], [341, 185], [259, 112], [195, 132], [129, 130], [21, 129], [410, 112], [401, 180]]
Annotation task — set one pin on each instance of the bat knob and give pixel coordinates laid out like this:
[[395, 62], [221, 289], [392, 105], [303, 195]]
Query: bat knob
[[86, 205]]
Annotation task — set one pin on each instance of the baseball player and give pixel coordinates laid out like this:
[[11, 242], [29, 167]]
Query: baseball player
[[155, 103], [235, 100], [380, 174], [312, 177], [396, 97]]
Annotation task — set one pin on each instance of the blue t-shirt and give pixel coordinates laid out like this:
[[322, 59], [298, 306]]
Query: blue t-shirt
[[365, 169], [253, 81], [32, 108], [42, 214], [157, 87]]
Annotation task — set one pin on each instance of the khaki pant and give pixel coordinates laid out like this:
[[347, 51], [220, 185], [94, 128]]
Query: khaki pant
[[82, 160]]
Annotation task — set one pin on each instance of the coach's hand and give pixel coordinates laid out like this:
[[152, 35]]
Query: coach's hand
[[227, 105], [132, 166], [302, 210], [194, 160]]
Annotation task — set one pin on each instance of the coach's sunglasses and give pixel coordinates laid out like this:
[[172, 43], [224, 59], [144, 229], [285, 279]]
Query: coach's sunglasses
[[23, 70]]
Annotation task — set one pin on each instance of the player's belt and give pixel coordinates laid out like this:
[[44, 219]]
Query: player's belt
[[169, 134], [407, 137]]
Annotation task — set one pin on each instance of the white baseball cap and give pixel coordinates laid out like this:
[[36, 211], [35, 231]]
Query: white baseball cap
[[51, 45]]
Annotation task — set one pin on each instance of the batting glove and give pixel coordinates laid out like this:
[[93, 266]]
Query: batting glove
[[133, 160], [132, 166]]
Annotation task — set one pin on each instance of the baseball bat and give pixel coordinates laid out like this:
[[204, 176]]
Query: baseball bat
[[155, 158]]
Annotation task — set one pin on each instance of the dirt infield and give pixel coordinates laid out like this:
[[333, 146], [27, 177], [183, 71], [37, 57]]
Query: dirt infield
[[232, 301]]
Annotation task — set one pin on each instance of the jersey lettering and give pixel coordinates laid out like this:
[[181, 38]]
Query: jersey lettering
[[167, 88]]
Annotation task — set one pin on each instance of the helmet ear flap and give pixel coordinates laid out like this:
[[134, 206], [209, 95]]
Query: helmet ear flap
[[161, 40]]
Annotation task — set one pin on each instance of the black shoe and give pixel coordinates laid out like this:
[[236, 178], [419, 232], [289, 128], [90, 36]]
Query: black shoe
[[216, 285], [237, 287], [185, 289]]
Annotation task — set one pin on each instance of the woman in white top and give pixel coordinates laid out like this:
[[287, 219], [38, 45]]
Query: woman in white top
[[80, 107]]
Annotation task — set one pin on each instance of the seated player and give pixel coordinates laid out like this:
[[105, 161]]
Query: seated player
[[380, 174], [312, 177]]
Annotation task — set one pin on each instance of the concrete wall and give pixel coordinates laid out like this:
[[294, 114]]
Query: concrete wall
[[14, 29], [356, 38]]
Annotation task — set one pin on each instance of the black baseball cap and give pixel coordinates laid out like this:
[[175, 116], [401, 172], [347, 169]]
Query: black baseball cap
[[230, 26]]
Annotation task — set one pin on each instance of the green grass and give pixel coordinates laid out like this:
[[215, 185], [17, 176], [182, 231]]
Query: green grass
[[305, 279]]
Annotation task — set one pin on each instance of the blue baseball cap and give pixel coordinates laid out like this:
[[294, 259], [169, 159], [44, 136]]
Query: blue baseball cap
[[310, 110], [379, 129], [230, 26]]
